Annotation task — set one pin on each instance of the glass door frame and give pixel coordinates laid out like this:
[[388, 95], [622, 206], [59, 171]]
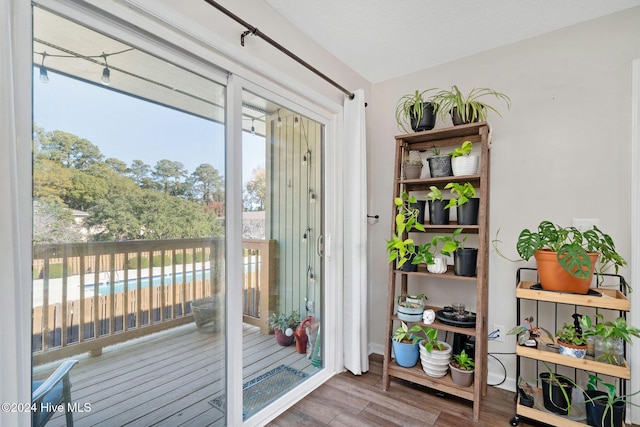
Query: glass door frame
[[112, 19]]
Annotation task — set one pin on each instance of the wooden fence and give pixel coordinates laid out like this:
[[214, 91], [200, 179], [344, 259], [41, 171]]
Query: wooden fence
[[90, 295]]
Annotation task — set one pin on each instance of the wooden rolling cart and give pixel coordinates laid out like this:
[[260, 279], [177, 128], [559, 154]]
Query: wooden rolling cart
[[598, 299], [479, 135]]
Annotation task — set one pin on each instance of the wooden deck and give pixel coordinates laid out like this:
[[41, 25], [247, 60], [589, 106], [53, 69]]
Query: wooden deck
[[166, 378]]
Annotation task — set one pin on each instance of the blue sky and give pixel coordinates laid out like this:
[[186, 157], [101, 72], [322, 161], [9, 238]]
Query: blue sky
[[130, 129]]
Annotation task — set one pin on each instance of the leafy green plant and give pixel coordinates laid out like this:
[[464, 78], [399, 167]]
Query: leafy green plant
[[407, 300], [616, 329], [406, 334], [399, 248], [453, 243], [435, 193], [410, 160], [468, 106], [463, 361], [427, 252], [435, 151], [569, 335], [431, 342], [463, 150], [460, 193], [572, 247], [609, 400], [563, 383], [527, 331], [283, 321], [411, 106]]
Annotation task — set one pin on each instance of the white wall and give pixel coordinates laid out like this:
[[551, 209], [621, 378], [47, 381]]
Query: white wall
[[562, 151]]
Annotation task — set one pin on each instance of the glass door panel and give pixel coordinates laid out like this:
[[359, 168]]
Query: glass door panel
[[128, 234], [282, 227]]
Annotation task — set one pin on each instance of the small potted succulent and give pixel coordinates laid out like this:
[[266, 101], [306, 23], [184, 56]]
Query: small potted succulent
[[462, 368]]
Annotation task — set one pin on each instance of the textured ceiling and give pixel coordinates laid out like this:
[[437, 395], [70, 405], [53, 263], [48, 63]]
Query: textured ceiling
[[382, 39]]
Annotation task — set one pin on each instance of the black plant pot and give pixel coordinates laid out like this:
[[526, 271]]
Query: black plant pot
[[440, 166], [438, 215], [590, 405], [420, 205], [457, 120], [468, 213], [598, 409], [553, 398], [407, 267], [428, 120], [465, 261]]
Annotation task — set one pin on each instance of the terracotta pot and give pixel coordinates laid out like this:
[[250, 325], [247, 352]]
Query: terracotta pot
[[555, 278], [282, 338]]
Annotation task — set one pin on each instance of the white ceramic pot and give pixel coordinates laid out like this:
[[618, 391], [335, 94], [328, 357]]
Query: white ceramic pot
[[440, 266], [465, 165], [436, 363]]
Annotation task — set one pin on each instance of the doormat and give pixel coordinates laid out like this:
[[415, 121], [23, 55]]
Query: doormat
[[264, 389]]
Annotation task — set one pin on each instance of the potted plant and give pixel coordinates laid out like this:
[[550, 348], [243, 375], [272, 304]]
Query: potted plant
[[467, 108], [283, 326], [411, 167], [428, 253], [410, 308], [463, 198], [566, 258], [434, 354], [605, 408], [405, 345], [438, 215], [571, 342], [462, 162], [556, 392], [400, 249], [528, 335], [439, 164], [464, 259], [609, 337], [417, 111], [462, 368]]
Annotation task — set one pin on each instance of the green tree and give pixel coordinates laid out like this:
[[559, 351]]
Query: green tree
[[67, 149], [140, 172], [206, 184], [117, 165], [255, 191], [51, 181], [170, 176]]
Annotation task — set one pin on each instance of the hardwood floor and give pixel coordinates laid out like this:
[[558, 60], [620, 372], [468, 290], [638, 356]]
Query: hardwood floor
[[350, 400]]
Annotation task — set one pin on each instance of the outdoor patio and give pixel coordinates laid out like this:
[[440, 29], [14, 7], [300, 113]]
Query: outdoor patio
[[167, 378]]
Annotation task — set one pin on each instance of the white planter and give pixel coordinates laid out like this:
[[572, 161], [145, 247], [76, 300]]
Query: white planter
[[436, 363], [465, 165], [440, 266]]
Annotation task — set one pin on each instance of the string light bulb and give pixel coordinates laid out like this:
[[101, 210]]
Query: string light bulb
[[279, 119], [106, 73], [312, 196], [44, 76], [253, 129], [306, 157], [296, 122], [306, 234]]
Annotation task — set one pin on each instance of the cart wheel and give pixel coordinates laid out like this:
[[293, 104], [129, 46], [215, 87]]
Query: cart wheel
[[515, 420]]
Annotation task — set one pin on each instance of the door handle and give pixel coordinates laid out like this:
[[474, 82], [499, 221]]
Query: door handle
[[320, 245]]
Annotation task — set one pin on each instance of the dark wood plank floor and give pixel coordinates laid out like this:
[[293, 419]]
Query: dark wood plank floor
[[350, 400]]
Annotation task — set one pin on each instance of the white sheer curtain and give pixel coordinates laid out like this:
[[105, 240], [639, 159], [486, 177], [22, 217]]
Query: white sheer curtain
[[15, 214], [356, 357]]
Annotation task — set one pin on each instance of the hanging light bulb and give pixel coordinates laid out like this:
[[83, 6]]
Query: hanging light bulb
[[279, 119], [312, 278], [312, 196], [253, 129], [44, 77], [296, 122], [306, 157], [304, 237], [106, 73]]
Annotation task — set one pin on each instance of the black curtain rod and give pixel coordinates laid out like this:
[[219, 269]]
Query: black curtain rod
[[254, 31]]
